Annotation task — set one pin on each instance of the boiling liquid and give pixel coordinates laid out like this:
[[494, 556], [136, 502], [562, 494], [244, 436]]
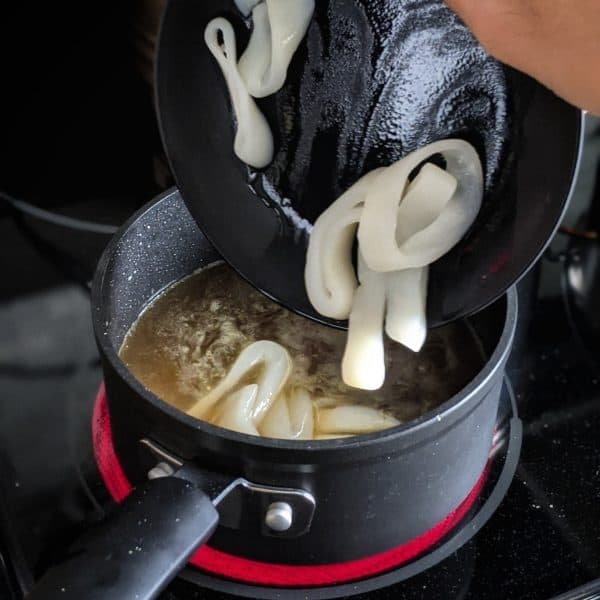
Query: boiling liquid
[[184, 343]]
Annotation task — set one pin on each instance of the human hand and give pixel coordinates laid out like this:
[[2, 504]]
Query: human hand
[[555, 41]]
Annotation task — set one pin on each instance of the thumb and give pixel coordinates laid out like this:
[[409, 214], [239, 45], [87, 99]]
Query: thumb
[[505, 28], [547, 39]]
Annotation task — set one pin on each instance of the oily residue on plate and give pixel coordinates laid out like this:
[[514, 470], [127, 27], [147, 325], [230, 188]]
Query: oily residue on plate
[[375, 80]]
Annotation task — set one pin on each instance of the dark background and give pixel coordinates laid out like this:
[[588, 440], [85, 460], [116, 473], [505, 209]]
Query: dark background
[[77, 131]]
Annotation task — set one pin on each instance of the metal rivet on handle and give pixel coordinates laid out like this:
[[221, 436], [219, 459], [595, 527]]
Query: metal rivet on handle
[[279, 516], [162, 469]]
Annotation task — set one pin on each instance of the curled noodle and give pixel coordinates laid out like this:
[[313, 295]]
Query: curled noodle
[[278, 28], [253, 142], [384, 208], [402, 227], [274, 365], [254, 399]]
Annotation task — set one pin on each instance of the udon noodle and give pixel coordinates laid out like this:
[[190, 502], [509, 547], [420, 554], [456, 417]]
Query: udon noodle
[[278, 29], [253, 141], [402, 227]]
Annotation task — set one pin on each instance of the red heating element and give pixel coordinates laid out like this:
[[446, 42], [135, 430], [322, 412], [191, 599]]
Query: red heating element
[[270, 574]]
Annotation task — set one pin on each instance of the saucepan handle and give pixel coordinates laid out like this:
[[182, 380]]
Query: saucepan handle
[[135, 552]]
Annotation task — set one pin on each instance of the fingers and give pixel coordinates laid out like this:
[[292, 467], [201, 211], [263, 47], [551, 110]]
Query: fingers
[[507, 29], [551, 40]]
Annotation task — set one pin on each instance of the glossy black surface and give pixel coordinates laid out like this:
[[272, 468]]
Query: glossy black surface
[[372, 81]]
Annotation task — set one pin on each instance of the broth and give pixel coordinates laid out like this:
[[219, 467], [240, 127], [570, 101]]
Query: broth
[[186, 340]]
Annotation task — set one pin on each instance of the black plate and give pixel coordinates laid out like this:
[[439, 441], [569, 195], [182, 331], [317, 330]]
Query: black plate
[[371, 82]]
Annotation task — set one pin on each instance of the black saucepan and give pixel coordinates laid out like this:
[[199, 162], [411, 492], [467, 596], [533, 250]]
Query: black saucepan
[[340, 500], [371, 82]]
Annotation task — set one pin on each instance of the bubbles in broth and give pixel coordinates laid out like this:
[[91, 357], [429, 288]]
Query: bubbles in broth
[[185, 342]]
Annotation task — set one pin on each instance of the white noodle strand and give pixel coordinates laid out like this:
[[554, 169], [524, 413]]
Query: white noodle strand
[[363, 364], [329, 275], [406, 319], [276, 423], [253, 142], [377, 228], [301, 414], [290, 417], [402, 228], [275, 364], [235, 411], [279, 27], [263, 408], [352, 420], [426, 197]]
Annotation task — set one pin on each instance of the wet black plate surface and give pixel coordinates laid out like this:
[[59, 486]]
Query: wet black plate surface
[[373, 81]]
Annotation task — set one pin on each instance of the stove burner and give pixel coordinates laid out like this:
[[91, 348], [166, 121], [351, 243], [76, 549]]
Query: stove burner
[[278, 575], [230, 567]]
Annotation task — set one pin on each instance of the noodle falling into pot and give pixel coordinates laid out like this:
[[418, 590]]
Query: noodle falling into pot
[[402, 227]]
